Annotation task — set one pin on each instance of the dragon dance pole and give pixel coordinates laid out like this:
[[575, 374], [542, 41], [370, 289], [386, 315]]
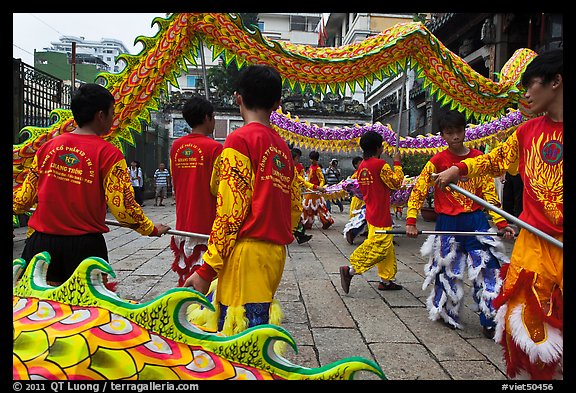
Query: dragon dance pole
[[170, 231], [401, 104], [507, 216], [454, 233]]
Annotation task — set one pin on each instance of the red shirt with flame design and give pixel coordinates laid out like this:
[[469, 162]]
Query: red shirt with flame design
[[535, 150], [451, 202]]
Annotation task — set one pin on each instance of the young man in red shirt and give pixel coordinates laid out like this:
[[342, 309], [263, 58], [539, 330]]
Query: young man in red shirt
[[451, 255], [194, 162], [529, 318], [256, 212], [375, 179], [73, 178]]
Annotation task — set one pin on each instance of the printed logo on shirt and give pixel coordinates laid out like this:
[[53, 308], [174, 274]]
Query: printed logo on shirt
[[278, 162], [69, 159], [189, 156], [552, 152], [365, 177], [274, 172], [68, 164]]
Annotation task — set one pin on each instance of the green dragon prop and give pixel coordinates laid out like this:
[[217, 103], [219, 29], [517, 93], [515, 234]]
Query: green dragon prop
[[80, 329]]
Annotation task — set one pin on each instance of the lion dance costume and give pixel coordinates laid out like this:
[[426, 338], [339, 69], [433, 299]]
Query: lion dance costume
[[314, 204], [449, 255]]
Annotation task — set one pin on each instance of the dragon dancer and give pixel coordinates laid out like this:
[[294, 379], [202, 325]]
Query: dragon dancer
[[256, 211], [194, 160], [450, 255], [315, 204], [73, 179], [300, 231], [529, 319]]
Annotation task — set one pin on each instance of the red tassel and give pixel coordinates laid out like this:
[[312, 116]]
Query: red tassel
[[111, 285]]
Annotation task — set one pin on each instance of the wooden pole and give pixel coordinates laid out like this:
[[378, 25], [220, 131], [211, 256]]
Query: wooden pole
[[401, 104], [170, 231], [204, 74], [73, 63]]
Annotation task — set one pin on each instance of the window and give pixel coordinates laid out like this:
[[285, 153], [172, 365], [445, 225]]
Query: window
[[191, 81], [304, 23]]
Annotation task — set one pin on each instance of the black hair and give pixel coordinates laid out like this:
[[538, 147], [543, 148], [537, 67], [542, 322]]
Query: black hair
[[451, 119], [88, 100], [356, 160], [260, 86], [546, 66], [314, 155], [296, 152], [370, 142], [195, 110]]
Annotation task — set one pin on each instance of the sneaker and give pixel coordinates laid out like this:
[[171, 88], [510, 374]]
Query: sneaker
[[389, 286], [488, 332], [303, 238], [345, 278], [155, 204], [161, 204], [350, 237]]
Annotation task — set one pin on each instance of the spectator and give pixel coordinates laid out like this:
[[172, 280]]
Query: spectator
[[161, 179]]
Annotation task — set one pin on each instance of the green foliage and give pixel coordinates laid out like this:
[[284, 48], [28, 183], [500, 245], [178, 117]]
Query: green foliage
[[412, 164]]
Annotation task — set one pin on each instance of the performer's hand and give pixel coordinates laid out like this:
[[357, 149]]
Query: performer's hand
[[411, 231], [450, 175], [197, 283], [162, 229], [320, 189], [508, 233], [396, 156]]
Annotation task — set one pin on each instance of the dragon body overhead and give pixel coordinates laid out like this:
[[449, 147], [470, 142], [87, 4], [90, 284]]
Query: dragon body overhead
[[163, 58]]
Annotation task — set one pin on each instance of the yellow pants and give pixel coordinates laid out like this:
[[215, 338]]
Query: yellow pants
[[252, 273], [377, 249], [355, 204]]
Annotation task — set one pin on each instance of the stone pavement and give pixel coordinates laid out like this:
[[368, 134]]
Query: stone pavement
[[391, 328]]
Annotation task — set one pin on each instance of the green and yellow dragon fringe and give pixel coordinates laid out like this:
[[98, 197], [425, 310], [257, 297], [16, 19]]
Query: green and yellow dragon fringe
[[138, 88]]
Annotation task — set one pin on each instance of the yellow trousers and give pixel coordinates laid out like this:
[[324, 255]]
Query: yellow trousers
[[252, 273], [377, 249]]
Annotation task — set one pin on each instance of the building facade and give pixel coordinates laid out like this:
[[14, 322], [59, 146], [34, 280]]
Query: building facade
[[485, 41], [101, 54]]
